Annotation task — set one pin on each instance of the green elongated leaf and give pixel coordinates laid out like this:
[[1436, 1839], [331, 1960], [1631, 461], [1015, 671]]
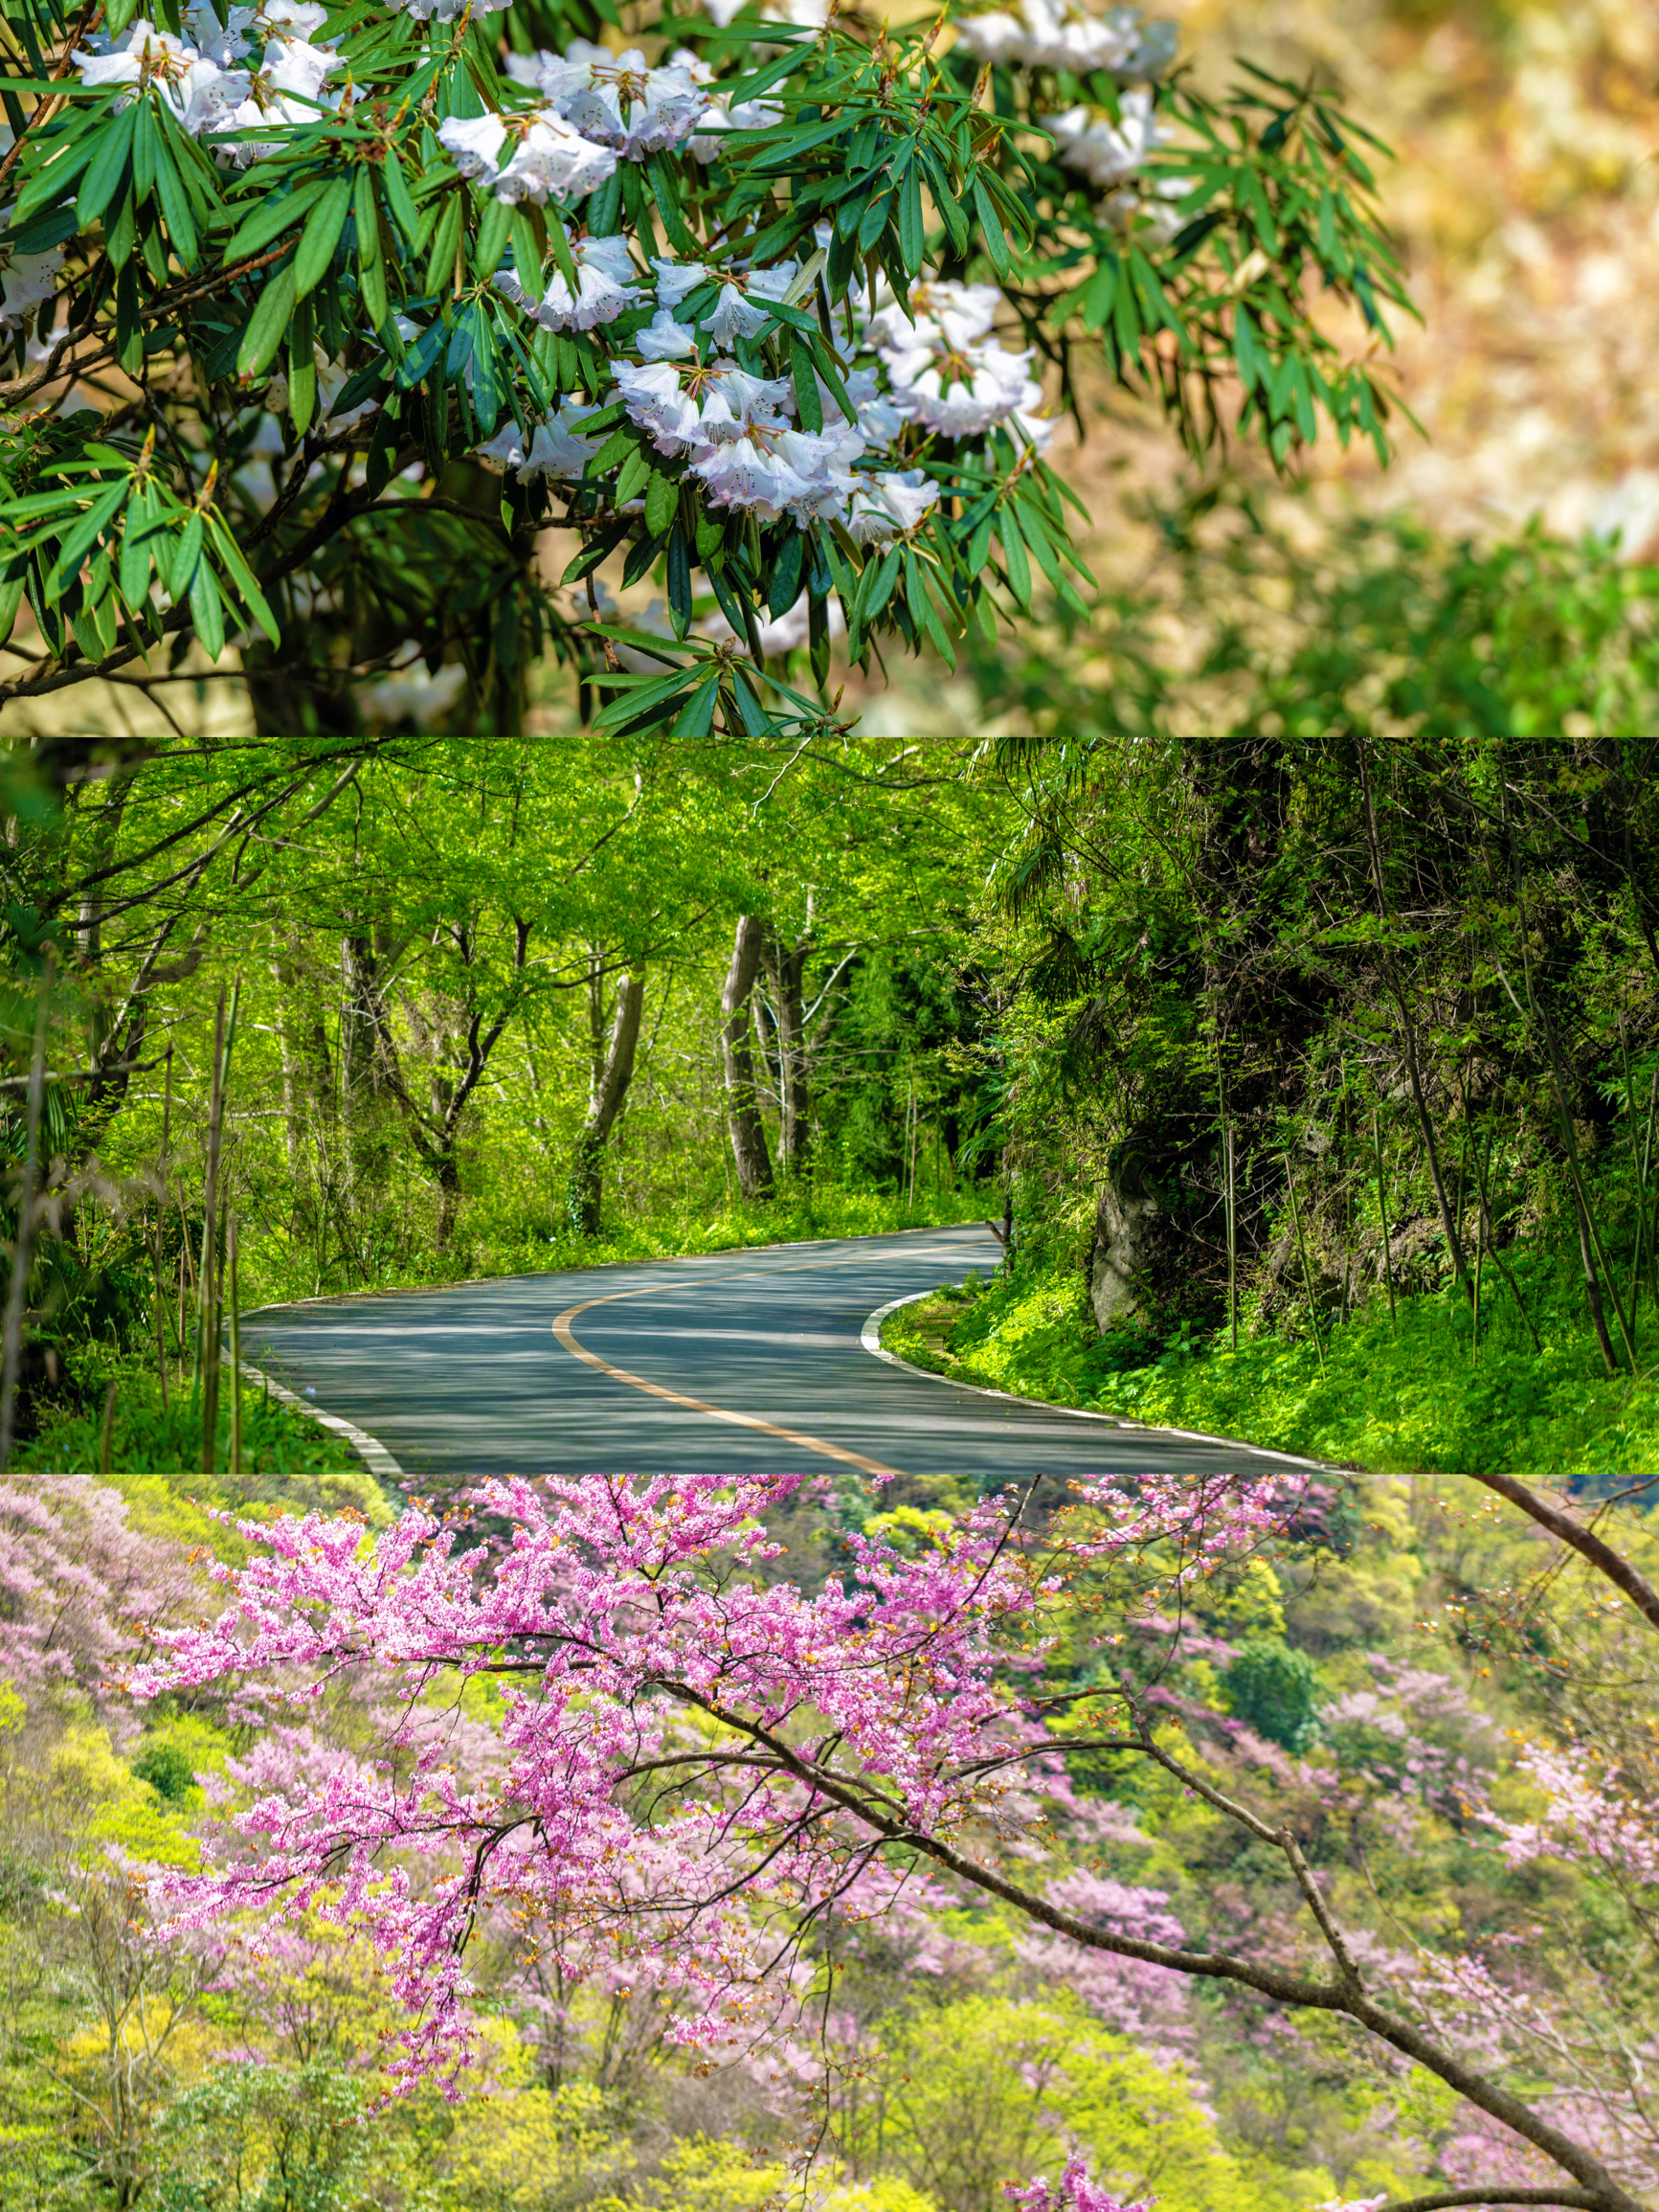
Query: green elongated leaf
[[755, 720], [634, 470], [660, 177], [636, 697], [616, 448], [132, 578], [495, 222], [784, 587], [935, 629], [678, 580], [445, 238], [1014, 558], [808, 405], [77, 542], [605, 207], [273, 215], [11, 602], [982, 611], [187, 554], [698, 717], [53, 180], [267, 326], [302, 368], [106, 168], [991, 227], [241, 575], [144, 139], [322, 235], [527, 251], [206, 611], [64, 500], [370, 264], [600, 549], [175, 204], [873, 222], [881, 581], [642, 560], [818, 634], [1260, 214], [119, 236], [396, 186], [563, 259], [912, 239]]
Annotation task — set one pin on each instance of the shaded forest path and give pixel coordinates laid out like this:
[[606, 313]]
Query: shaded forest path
[[740, 1360]]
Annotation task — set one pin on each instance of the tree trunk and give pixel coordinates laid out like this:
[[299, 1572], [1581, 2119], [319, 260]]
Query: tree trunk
[[613, 1072], [786, 966], [743, 1121], [366, 1088]]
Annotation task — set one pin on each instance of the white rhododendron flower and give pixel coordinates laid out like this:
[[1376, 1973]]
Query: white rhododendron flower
[[1107, 154], [658, 402], [555, 448], [607, 286], [526, 156], [1061, 34], [887, 506], [198, 92], [618, 100], [800, 14], [663, 339], [677, 280], [948, 376], [766, 470], [26, 280], [447, 11]]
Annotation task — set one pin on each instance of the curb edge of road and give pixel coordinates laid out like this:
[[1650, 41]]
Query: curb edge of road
[[870, 1337], [369, 1449]]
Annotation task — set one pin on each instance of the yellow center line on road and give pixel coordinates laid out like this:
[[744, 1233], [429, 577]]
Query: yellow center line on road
[[563, 1331]]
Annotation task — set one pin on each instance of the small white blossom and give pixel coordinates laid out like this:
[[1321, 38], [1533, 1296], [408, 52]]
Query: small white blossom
[[957, 386], [200, 94], [26, 280], [607, 286], [800, 14], [887, 507], [766, 471], [1062, 34], [1107, 154], [532, 156], [618, 100], [555, 447], [658, 402], [663, 339], [447, 11], [677, 280]]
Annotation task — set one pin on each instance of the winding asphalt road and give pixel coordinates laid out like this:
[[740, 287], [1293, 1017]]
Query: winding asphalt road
[[736, 1361]]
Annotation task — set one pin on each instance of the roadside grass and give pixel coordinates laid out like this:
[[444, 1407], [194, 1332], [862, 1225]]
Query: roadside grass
[[1395, 1397]]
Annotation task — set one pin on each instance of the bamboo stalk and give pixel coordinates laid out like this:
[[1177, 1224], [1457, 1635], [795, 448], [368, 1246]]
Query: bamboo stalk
[[18, 1294], [1383, 1215], [1307, 1270]]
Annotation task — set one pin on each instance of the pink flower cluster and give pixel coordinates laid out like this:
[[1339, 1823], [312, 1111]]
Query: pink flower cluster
[[1077, 2192], [689, 1765]]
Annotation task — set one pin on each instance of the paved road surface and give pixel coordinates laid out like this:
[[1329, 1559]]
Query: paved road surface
[[736, 1361]]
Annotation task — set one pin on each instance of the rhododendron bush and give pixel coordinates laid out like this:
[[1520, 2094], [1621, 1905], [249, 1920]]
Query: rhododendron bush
[[780, 313], [610, 1743]]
